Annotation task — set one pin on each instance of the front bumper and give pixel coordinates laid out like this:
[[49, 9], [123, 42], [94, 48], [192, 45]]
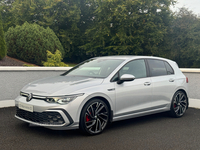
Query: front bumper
[[52, 116]]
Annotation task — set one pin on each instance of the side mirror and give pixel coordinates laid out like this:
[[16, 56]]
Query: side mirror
[[125, 77]]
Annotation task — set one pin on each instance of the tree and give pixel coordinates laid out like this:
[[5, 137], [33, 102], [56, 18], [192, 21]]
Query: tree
[[127, 27], [182, 41], [7, 16], [89, 28], [3, 49], [29, 42], [62, 16]]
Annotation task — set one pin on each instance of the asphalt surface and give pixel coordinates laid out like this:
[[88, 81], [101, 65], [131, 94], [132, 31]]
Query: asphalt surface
[[154, 132]]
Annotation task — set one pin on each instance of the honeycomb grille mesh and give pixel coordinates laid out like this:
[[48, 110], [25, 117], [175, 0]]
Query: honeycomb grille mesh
[[50, 118]]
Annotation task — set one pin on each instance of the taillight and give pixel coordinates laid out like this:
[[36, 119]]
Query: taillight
[[187, 80]]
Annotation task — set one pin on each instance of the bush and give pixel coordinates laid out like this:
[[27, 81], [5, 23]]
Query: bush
[[29, 42], [54, 60], [2, 41]]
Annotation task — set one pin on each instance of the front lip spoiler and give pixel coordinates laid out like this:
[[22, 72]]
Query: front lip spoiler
[[40, 124]]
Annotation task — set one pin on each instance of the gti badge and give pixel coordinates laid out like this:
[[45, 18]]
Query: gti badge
[[29, 97]]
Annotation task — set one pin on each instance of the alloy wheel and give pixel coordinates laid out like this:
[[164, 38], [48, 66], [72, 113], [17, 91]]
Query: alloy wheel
[[180, 103], [96, 117]]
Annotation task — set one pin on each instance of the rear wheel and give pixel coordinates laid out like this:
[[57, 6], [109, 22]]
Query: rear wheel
[[94, 117], [179, 104]]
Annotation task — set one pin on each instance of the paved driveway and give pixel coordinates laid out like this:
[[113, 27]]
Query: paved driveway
[[155, 132]]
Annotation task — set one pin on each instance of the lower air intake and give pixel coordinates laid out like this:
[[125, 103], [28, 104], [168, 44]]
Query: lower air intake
[[50, 118]]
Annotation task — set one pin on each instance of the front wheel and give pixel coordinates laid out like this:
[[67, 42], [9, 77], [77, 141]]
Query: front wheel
[[94, 117], [179, 104]]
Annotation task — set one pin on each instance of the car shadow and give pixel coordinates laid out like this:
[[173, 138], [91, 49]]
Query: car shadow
[[115, 126]]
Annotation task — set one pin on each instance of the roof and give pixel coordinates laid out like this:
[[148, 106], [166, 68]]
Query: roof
[[129, 57]]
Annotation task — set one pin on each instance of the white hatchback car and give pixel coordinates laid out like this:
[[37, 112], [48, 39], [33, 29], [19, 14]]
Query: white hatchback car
[[104, 89]]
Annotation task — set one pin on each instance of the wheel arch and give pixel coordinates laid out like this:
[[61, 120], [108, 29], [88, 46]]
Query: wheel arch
[[185, 94], [105, 101], [184, 91], [176, 103]]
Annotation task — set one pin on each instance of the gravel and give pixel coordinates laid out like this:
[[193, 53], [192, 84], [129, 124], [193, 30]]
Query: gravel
[[8, 61]]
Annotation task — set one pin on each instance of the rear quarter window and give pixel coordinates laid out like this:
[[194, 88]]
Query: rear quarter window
[[169, 69]]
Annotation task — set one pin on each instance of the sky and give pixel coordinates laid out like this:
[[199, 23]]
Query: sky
[[193, 5]]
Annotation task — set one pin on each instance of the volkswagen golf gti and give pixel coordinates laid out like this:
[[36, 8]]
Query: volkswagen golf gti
[[102, 90]]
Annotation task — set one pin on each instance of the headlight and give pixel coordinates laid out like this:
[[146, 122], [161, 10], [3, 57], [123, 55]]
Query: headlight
[[63, 99]]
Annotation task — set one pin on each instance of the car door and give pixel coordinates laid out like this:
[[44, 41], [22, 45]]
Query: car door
[[133, 97], [163, 82]]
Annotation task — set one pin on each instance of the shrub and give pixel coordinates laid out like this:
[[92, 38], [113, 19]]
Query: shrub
[[54, 60], [2, 41], [29, 42], [27, 65]]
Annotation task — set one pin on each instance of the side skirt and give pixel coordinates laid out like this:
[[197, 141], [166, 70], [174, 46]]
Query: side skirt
[[142, 112]]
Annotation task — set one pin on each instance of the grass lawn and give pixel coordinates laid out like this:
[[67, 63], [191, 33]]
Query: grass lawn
[[71, 64]]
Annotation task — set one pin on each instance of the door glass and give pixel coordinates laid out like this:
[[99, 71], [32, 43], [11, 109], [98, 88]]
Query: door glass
[[157, 67], [136, 68]]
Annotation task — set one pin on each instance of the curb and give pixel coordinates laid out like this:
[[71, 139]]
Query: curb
[[7, 103], [193, 103], [15, 68], [2, 69]]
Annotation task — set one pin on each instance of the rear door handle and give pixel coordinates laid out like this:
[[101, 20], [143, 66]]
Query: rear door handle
[[171, 80], [147, 83]]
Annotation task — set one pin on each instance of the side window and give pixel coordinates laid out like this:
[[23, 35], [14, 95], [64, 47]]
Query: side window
[[157, 67], [169, 69], [135, 67]]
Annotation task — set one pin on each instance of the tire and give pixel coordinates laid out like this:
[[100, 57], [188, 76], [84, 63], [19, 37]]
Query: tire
[[179, 104], [94, 117]]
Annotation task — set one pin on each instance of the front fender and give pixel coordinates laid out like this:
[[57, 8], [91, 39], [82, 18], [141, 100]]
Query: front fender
[[110, 99]]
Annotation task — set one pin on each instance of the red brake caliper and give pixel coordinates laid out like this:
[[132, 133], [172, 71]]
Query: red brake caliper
[[87, 118]]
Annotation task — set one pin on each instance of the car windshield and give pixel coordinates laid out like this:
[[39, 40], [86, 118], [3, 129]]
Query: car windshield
[[95, 68]]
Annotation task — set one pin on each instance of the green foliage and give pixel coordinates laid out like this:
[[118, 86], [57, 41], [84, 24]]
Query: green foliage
[[54, 60], [65, 20], [7, 16], [182, 41], [127, 27], [71, 64], [88, 28], [60, 15], [3, 49], [27, 65], [29, 42]]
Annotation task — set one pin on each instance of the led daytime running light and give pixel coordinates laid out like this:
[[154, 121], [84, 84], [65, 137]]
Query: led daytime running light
[[62, 99]]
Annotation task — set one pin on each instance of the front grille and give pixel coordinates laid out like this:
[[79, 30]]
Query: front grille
[[50, 118]]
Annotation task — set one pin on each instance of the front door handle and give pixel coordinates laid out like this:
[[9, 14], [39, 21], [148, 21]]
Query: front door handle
[[147, 83], [171, 80]]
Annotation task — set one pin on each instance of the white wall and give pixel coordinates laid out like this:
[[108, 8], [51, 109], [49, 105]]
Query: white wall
[[12, 79]]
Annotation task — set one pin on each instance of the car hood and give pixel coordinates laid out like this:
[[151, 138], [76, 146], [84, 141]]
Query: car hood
[[60, 85]]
